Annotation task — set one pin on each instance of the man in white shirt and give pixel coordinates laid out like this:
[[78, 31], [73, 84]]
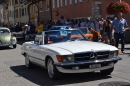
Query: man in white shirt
[[97, 25]]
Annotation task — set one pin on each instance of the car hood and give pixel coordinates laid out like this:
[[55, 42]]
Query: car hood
[[5, 38], [83, 46]]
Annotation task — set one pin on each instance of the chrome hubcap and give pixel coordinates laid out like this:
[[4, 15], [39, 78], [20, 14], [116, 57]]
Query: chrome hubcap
[[50, 68], [27, 60]]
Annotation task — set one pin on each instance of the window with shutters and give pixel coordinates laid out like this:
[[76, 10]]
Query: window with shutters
[[73, 1], [55, 3], [63, 2], [83, 0]]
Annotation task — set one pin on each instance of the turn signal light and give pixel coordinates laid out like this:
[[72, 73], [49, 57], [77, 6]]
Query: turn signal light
[[59, 58]]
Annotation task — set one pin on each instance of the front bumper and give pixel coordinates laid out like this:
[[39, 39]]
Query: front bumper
[[84, 66]]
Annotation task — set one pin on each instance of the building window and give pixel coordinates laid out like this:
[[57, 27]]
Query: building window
[[55, 3], [47, 5], [16, 1], [9, 13], [44, 5], [12, 2], [83, 0], [34, 8], [12, 14], [16, 13], [23, 12], [63, 2], [73, 1], [19, 12], [30, 9], [40, 6]]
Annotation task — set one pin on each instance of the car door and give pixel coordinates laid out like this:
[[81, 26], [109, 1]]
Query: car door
[[34, 52], [41, 55]]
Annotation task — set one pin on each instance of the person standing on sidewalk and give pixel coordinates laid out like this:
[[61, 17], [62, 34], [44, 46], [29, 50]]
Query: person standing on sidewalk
[[120, 25], [101, 23]]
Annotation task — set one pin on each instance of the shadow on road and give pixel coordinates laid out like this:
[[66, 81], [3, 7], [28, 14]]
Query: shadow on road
[[20, 42], [6, 48], [39, 76]]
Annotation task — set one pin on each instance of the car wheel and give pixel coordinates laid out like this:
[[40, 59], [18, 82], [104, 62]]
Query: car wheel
[[107, 71], [14, 46], [27, 62], [52, 70]]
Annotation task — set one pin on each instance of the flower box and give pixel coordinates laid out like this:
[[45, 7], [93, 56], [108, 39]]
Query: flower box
[[117, 7]]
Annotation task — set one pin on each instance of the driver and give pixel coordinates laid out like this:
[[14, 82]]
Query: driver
[[47, 39]]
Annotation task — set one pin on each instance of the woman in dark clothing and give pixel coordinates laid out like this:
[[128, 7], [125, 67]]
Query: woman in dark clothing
[[107, 30]]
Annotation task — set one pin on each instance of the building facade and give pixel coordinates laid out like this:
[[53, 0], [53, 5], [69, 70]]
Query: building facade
[[75, 9], [45, 10], [20, 12], [11, 12], [5, 12], [1, 15], [39, 11]]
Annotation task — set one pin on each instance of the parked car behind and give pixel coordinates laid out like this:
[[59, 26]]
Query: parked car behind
[[59, 27], [6, 38]]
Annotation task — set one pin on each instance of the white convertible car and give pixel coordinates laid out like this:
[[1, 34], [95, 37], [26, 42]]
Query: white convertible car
[[68, 51]]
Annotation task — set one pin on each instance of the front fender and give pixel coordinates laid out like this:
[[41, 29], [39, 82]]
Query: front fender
[[14, 39]]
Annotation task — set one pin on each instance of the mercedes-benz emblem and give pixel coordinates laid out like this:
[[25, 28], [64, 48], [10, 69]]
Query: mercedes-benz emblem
[[93, 55]]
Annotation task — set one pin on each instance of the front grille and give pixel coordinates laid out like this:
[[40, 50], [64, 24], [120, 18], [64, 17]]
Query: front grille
[[86, 56]]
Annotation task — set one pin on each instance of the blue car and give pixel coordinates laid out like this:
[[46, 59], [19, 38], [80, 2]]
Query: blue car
[[59, 27]]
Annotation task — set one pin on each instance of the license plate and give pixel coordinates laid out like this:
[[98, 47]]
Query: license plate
[[95, 66]]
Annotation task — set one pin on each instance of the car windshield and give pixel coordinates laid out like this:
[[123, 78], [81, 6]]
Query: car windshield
[[63, 36], [84, 30], [4, 31]]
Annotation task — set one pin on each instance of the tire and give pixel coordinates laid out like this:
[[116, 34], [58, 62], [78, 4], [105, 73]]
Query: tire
[[14, 46], [107, 71], [52, 70], [28, 64]]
